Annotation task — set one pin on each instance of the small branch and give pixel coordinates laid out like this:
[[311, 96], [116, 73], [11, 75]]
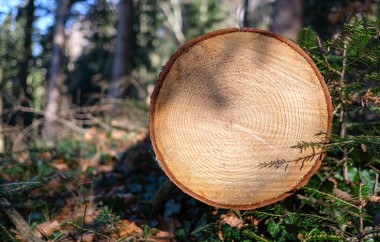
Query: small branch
[[84, 216], [361, 205], [375, 185], [83, 230], [364, 235], [89, 109], [281, 162], [329, 196], [25, 131], [21, 225], [63, 121], [339, 87], [174, 19], [343, 115]]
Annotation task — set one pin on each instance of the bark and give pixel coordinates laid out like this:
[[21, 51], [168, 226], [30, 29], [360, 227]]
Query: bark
[[25, 97], [21, 225], [287, 18], [2, 144], [56, 77], [175, 19], [122, 60], [245, 16]]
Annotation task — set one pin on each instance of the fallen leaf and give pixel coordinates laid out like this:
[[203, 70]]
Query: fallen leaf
[[87, 237], [90, 134], [47, 228], [60, 166], [105, 168], [231, 219], [127, 228], [163, 236]]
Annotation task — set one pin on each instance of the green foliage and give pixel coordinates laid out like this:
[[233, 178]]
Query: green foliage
[[230, 233], [6, 235], [207, 233], [11, 40], [202, 16]]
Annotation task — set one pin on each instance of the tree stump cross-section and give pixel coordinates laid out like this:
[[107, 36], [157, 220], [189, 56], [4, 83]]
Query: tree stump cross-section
[[226, 110]]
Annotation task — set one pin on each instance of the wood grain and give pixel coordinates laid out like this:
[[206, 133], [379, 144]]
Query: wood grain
[[230, 101]]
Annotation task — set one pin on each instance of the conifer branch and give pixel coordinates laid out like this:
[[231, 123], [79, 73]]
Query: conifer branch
[[328, 196]]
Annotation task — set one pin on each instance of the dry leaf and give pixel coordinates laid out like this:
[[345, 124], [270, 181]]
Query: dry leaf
[[232, 219], [47, 228], [127, 228], [60, 166], [118, 134], [105, 168], [343, 195], [90, 134], [164, 236], [87, 237], [374, 198]]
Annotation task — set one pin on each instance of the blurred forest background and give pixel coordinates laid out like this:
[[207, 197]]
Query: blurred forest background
[[75, 82], [68, 65]]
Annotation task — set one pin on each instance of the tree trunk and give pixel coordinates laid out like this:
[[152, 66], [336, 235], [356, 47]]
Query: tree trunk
[[25, 97], [122, 61], [287, 18], [21, 225], [245, 15], [56, 77], [2, 143]]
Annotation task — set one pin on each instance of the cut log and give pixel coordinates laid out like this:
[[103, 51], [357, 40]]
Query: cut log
[[227, 109]]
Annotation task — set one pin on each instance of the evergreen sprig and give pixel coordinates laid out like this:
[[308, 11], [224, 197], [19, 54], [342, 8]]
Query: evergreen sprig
[[338, 144], [18, 187]]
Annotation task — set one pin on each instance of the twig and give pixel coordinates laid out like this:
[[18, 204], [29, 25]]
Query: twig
[[19, 138], [342, 118], [83, 230], [91, 109], [56, 118], [364, 235], [280, 162], [84, 216], [374, 168], [375, 185], [95, 120], [361, 205], [342, 104], [21, 225], [174, 19]]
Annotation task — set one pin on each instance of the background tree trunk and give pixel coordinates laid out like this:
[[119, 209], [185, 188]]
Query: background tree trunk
[[25, 97], [245, 15], [122, 60], [56, 77], [287, 18], [2, 143]]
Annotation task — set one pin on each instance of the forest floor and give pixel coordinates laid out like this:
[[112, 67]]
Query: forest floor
[[104, 187]]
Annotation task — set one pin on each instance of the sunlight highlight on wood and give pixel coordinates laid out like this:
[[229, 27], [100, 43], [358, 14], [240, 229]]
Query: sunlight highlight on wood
[[226, 110]]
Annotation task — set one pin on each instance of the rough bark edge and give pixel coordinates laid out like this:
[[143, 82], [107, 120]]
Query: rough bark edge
[[185, 48]]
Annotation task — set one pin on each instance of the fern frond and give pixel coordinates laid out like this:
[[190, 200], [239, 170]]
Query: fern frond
[[327, 197]]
